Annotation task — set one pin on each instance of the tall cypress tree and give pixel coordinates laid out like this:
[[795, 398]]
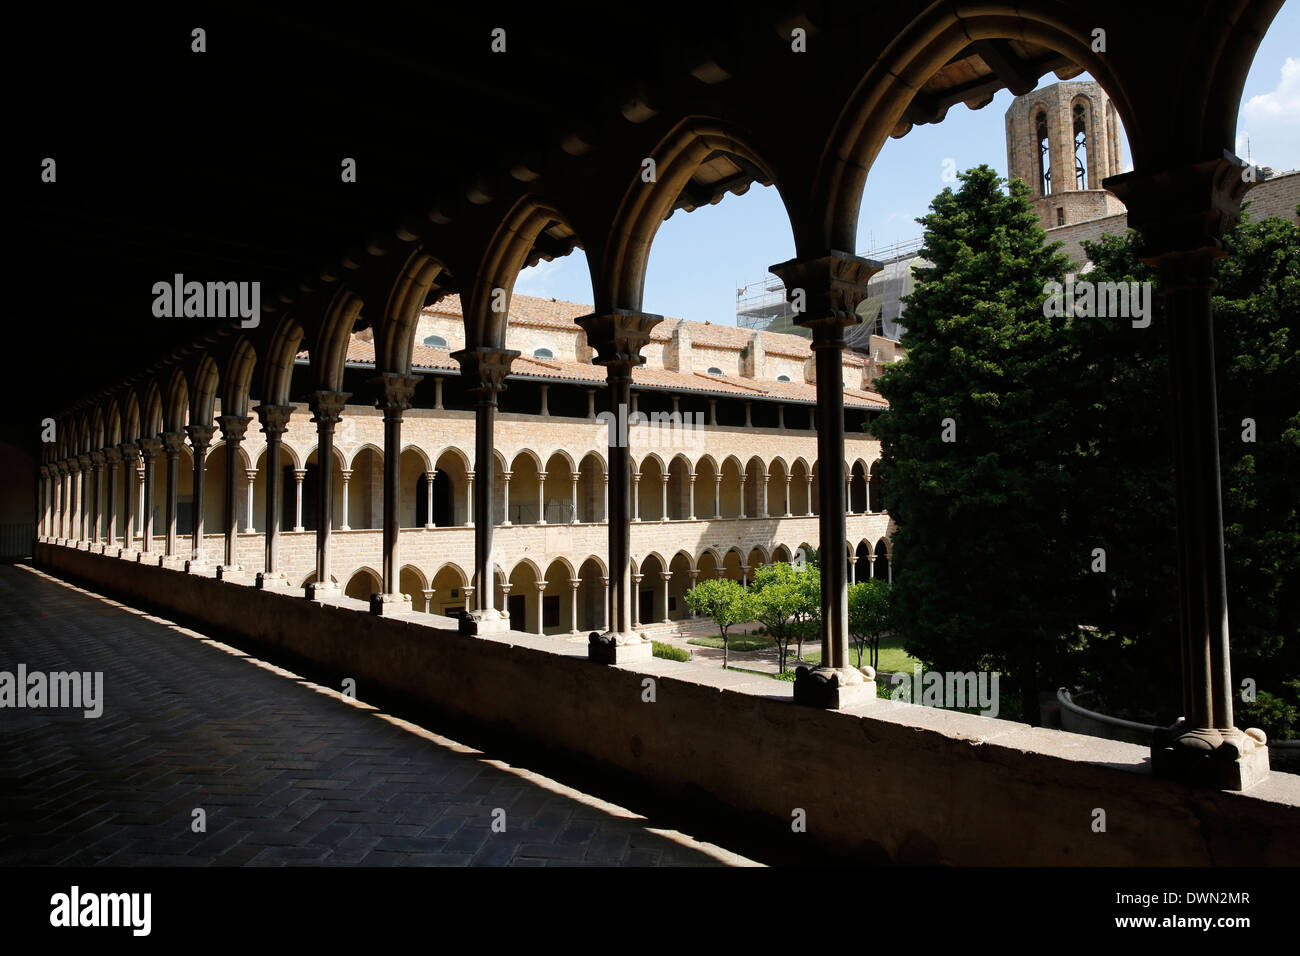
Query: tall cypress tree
[[984, 560]]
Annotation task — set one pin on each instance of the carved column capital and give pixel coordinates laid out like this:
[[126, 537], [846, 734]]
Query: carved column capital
[[485, 368], [395, 391], [62, 467], [233, 428], [1183, 215], [200, 436], [97, 460], [618, 336], [112, 454], [149, 448], [826, 290], [274, 419], [45, 471], [84, 461], [130, 452], [172, 443], [327, 407]]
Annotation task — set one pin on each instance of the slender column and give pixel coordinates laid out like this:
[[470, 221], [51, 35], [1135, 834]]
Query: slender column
[[717, 495], [274, 419], [618, 338], [395, 398], [604, 585], [233, 429], [173, 442], [866, 482], [1182, 215], [692, 495], [636, 603], [113, 456], [140, 477], [428, 508], [327, 411], [573, 605], [469, 499], [713, 411], [871, 567], [486, 368], [636, 496], [42, 501], [663, 514], [692, 576], [428, 598], [780, 416], [541, 591], [200, 438], [848, 494], [853, 569], [665, 577], [298, 475], [97, 500], [505, 497], [251, 475], [762, 505], [833, 285], [130, 456], [346, 476], [544, 411], [468, 593], [573, 497], [83, 498], [541, 497], [437, 394], [749, 422], [591, 404], [149, 449], [744, 575], [809, 511], [604, 514], [743, 479], [787, 494]]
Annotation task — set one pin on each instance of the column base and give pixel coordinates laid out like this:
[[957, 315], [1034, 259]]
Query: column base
[[390, 605], [490, 621], [271, 580], [173, 561], [832, 689], [323, 592], [199, 566], [228, 572], [1229, 759], [614, 647]]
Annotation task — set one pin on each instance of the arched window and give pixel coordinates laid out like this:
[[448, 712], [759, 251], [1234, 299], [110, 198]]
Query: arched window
[[783, 378], [1080, 146], [543, 354], [1044, 155], [714, 370], [436, 341]]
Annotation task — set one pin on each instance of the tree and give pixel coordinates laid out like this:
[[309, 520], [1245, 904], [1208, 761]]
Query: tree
[[784, 599], [869, 616], [725, 601], [977, 445]]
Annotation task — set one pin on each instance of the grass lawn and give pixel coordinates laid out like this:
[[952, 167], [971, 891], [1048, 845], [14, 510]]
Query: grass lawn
[[892, 655], [741, 642]]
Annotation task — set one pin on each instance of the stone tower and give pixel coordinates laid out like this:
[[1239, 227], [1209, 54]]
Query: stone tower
[[1063, 140]]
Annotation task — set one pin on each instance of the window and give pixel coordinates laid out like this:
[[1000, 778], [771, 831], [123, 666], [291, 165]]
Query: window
[[714, 370], [436, 341], [543, 354], [1060, 216], [1044, 156], [783, 378]]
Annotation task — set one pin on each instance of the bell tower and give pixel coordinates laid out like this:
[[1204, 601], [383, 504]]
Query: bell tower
[[1063, 140]]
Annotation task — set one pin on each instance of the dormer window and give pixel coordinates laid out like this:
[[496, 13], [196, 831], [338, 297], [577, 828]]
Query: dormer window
[[714, 370], [435, 341], [543, 354], [783, 378]]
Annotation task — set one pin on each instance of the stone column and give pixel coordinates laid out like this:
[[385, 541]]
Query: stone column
[[787, 494], [853, 569], [428, 508], [62, 510], [130, 455], [692, 576], [744, 575], [763, 502], [486, 369], [274, 419], [251, 475], [573, 496], [149, 449], [663, 516], [233, 429], [591, 404], [604, 512], [665, 577], [833, 286], [848, 494], [573, 605], [469, 499], [428, 598], [749, 423], [140, 476], [83, 498], [42, 501], [871, 567], [173, 442], [113, 456], [396, 390], [200, 438], [780, 416], [692, 495], [541, 497], [327, 411], [808, 513], [97, 500], [636, 496], [298, 475], [1182, 215], [636, 603], [604, 585], [505, 497], [618, 338], [541, 591], [713, 411], [346, 476], [743, 480], [717, 495], [544, 411]]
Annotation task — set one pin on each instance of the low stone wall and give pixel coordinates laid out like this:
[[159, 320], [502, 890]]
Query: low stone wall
[[881, 781]]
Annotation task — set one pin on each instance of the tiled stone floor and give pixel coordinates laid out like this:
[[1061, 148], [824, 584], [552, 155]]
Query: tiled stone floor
[[286, 771]]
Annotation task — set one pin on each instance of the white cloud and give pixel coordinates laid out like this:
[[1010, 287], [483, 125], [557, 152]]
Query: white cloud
[[1271, 136], [534, 280]]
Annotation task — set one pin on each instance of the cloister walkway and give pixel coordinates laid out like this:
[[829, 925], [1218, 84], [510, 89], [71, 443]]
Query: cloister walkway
[[285, 770]]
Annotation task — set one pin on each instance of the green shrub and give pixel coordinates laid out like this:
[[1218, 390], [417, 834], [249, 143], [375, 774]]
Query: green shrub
[[669, 652]]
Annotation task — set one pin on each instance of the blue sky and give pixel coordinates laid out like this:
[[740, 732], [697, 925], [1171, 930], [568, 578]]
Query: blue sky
[[700, 259]]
